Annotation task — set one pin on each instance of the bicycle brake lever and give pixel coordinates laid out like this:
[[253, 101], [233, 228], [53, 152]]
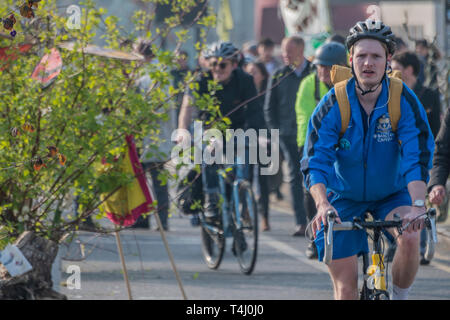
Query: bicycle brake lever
[[431, 217], [330, 227], [328, 232], [430, 222]]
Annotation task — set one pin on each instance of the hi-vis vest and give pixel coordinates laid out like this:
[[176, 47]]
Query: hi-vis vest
[[340, 76]]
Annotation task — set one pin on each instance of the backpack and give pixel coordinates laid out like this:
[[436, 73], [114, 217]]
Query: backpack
[[340, 76]]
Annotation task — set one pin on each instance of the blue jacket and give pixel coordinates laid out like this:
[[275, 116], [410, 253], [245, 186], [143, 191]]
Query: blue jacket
[[374, 166]]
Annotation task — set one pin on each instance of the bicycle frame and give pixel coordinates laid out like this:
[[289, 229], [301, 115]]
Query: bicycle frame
[[375, 286], [226, 210]]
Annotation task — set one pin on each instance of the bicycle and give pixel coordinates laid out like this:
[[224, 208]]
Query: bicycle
[[238, 219], [374, 281]]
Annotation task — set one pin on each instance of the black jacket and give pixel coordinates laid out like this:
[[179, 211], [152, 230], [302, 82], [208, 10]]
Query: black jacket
[[234, 93], [441, 157], [431, 102], [279, 105]]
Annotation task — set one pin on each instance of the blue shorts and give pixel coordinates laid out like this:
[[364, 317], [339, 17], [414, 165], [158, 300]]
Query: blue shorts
[[354, 242]]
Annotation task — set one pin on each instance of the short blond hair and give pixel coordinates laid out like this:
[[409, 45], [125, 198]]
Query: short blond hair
[[383, 44]]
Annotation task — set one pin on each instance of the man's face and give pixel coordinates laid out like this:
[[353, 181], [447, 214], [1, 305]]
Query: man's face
[[323, 72], [221, 68], [292, 53], [369, 62], [265, 53], [407, 73], [421, 50], [254, 71]]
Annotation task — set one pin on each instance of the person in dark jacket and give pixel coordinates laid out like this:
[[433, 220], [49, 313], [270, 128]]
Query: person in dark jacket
[[441, 163], [428, 69], [279, 112], [409, 64], [260, 76]]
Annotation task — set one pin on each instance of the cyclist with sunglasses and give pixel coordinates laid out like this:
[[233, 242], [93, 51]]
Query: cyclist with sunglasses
[[371, 167], [235, 102]]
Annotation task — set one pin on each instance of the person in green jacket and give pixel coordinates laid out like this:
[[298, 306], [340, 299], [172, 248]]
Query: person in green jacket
[[311, 90]]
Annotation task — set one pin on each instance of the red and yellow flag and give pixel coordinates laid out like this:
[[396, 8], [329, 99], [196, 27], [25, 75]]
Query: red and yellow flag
[[126, 205]]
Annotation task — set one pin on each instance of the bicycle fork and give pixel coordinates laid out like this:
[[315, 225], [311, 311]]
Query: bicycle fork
[[374, 274]]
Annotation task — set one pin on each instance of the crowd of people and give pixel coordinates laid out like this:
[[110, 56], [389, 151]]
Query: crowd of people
[[329, 166]]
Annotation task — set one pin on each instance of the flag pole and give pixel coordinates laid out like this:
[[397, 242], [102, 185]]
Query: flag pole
[[169, 253], [124, 267]]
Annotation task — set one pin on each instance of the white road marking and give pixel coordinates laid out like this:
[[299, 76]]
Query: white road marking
[[294, 253]]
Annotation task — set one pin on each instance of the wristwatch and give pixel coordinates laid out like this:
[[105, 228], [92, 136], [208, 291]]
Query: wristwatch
[[419, 203]]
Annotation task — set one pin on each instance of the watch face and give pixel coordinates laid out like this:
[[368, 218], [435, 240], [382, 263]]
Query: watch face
[[419, 203]]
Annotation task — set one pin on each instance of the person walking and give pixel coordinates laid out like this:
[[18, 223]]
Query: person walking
[[279, 112], [153, 159], [441, 163], [408, 64], [265, 50], [260, 76], [311, 90]]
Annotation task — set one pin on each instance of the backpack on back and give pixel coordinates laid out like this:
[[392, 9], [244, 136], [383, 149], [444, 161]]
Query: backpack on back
[[340, 76]]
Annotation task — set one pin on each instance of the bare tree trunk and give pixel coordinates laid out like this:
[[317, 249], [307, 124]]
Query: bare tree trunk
[[37, 283]]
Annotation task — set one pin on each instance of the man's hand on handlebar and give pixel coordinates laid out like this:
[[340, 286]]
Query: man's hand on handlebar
[[412, 222], [321, 217]]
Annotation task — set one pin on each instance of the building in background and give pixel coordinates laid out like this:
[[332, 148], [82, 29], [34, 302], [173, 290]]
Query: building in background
[[244, 20], [256, 19]]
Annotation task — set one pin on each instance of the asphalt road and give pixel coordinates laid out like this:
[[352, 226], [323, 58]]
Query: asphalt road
[[282, 271]]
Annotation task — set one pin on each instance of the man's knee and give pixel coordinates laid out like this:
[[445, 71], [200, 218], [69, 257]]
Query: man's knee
[[409, 241], [346, 290]]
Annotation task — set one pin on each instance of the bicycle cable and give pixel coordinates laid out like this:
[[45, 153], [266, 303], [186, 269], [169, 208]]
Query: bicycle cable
[[407, 225]]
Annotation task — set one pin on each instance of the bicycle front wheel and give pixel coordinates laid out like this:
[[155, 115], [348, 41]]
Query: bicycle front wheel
[[245, 219], [213, 246]]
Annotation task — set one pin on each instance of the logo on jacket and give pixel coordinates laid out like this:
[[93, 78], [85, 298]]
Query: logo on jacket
[[344, 144], [383, 131]]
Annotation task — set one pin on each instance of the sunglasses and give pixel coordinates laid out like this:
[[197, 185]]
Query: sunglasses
[[222, 65]]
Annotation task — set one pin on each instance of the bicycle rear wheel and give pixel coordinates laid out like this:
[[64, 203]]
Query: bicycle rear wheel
[[213, 245], [245, 244]]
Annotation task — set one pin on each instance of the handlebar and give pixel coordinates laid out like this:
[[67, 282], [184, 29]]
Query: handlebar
[[357, 224]]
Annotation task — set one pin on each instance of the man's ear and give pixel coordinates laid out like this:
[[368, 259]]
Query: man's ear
[[389, 63]]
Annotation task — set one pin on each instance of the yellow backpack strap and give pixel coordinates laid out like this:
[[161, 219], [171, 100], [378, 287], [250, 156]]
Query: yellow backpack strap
[[395, 93], [396, 74], [340, 73], [344, 104]]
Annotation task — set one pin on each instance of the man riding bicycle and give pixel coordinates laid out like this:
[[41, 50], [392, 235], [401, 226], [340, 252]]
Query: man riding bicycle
[[371, 167], [235, 102]]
